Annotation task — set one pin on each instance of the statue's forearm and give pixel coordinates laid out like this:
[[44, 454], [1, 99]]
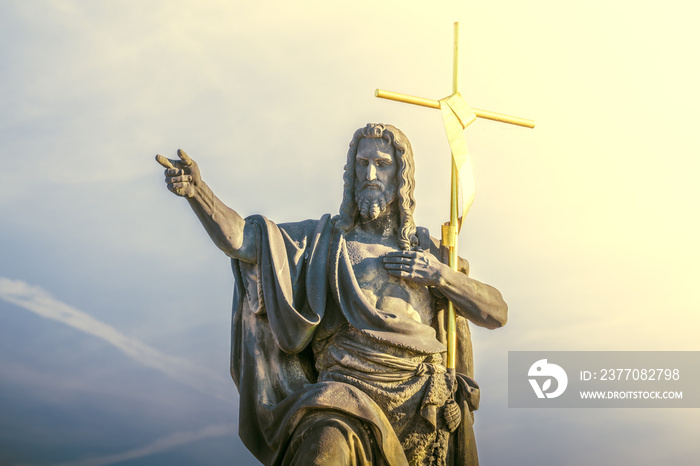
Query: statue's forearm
[[478, 302], [227, 229]]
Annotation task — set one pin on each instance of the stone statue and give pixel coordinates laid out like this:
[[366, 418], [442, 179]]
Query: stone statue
[[338, 333]]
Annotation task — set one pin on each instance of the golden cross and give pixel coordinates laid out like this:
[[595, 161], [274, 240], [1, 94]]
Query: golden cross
[[457, 115]]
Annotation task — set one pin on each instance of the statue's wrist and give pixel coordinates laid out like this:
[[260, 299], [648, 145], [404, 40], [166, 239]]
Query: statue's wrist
[[199, 190], [446, 278]]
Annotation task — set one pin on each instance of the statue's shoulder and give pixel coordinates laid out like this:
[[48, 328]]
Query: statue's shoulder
[[307, 232], [308, 225], [303, 226], [292, 234]]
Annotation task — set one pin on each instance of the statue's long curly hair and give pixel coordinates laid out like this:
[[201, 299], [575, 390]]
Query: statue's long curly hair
[[405, 176]]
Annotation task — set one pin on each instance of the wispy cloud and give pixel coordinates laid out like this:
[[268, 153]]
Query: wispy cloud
[[159, 445], [40, 302]]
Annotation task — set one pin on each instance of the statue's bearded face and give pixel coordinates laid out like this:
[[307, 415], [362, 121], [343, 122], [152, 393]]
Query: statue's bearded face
[[375, 177]]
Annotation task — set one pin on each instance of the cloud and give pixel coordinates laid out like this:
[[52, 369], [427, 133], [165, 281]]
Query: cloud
[[40, 302], [159, 445]]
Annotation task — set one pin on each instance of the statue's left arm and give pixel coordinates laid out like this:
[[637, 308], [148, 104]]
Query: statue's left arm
[[478, 302]]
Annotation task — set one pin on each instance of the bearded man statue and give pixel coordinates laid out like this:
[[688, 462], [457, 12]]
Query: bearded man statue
[[338, 336]]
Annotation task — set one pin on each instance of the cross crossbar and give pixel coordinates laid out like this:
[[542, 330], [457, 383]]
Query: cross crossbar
[[423, 102]]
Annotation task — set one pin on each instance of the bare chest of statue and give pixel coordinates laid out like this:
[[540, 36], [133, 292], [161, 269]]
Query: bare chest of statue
[[382, 290]]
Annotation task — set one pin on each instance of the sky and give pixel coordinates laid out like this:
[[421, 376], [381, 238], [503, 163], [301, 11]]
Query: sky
[[115, 306]]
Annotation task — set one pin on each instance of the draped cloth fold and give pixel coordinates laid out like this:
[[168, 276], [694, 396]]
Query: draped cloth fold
[[456, 116]]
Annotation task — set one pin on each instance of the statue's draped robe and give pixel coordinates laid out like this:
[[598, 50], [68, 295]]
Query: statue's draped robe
[[300, 304]]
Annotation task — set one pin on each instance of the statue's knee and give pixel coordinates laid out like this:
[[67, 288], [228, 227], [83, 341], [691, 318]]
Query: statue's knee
[[332, 438], [323, 438]]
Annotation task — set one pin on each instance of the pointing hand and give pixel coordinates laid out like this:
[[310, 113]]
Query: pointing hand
[[182, 176]]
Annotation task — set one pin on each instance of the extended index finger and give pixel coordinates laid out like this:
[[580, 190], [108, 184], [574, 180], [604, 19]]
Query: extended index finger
[[167, 163]]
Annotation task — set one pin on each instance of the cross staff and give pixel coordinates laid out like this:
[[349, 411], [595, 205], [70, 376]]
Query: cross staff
[[457, 115]]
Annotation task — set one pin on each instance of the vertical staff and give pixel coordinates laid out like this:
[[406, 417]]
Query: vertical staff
[[451, 232]]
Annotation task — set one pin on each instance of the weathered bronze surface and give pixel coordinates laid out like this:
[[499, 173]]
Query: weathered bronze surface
[[339, 325]]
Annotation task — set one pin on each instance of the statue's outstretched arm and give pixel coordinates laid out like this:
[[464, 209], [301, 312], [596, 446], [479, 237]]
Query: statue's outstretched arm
[[478, 302], [227, 229]]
